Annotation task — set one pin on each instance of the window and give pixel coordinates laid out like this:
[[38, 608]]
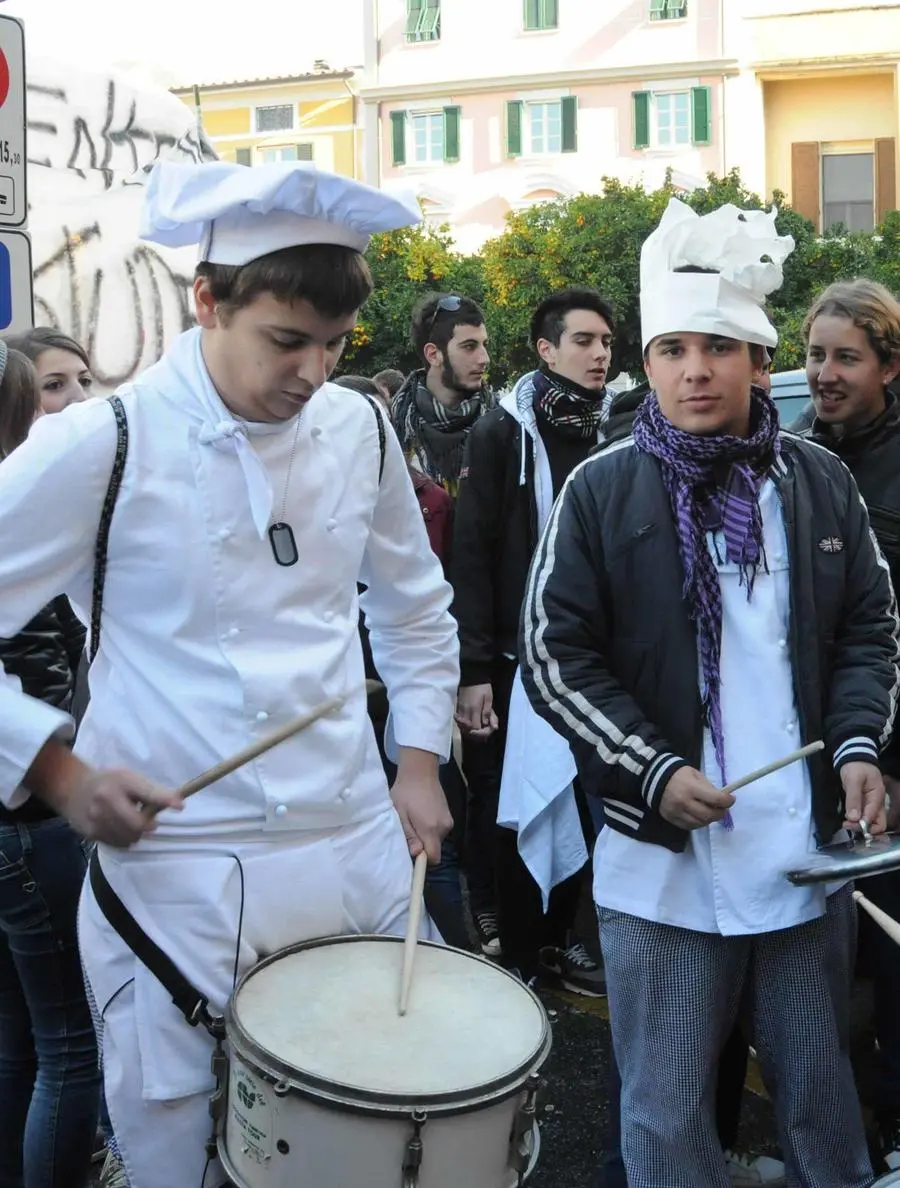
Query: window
[[673, 119], [423, 20], [542, 126], [668, 10], [275, 119], [244, 156], [541, 14], [848, 191], [288, 152], [425, 137]]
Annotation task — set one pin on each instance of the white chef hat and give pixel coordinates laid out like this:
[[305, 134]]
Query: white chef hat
[[237, 214], [742, 248]]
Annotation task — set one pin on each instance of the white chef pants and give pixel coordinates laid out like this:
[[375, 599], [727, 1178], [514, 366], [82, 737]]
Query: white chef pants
[[216, 913]]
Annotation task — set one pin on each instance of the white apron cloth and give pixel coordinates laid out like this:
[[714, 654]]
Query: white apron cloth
[[536, 794]]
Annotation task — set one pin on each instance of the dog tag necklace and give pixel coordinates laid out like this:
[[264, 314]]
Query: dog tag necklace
[[281, 534]]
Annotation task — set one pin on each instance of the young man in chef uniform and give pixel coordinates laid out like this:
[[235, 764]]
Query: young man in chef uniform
[[255, 497]]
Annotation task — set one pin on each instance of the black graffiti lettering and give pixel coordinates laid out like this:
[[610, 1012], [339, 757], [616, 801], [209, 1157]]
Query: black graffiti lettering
[[157, 305]]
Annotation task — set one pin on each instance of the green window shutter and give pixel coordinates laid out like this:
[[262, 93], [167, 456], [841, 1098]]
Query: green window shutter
[[550, 14], [430, 21], [451, 133], [244, 156], [413, 13], [657, 10], [532, 14], [398, 137], [676, 8], [640, 102], [701, 115], [569, 104], [514, 113]]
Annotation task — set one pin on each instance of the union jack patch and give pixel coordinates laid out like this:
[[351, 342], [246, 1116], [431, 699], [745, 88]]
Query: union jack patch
[[831, 544]]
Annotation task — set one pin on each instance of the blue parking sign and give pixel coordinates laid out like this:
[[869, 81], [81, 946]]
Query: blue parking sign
[[6, 301]]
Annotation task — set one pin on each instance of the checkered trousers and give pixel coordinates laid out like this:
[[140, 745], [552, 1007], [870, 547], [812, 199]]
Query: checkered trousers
[[674, 996]]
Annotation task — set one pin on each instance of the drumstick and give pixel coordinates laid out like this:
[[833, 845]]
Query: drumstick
[[255, 749], [412, 929], [888, 923], [794, 757]]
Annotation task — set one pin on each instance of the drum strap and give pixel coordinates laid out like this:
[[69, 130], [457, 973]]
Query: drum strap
[[192, 1004]]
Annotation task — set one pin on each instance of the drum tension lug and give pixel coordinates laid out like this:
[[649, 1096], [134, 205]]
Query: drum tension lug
[[219, 1065], [521, 1141], [412, 1160]]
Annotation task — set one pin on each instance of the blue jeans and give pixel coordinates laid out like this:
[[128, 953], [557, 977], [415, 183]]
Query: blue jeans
[[49, 1073]]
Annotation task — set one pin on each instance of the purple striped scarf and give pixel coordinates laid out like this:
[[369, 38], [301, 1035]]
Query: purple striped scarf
[[713, 484]]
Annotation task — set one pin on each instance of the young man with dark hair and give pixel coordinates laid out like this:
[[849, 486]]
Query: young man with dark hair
[[441, 401], [706, 598], [254, 497], [517, 459]]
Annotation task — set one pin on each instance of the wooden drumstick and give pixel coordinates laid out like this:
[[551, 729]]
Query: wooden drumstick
[[794, 757], [255, 749], [888, 923], [412, 929]]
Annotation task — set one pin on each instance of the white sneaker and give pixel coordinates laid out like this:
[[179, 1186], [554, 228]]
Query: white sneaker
[[746, 1171]]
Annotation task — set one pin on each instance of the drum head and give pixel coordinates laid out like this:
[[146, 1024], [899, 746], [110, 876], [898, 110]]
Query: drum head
[[854, 859], [327, 1012]]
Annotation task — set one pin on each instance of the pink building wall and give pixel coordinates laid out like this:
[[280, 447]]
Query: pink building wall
[[600, 55]]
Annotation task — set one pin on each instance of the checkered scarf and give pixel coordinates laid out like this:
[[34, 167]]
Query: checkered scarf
[[572, 410], [713, 484], [433, 434]]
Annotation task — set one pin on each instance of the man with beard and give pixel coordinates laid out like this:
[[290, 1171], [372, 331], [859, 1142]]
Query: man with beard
[[517, 459], [440, 402]]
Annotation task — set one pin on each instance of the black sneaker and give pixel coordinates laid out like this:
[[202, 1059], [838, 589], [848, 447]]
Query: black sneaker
[[488, 933], [575, 969], [887, 1129]]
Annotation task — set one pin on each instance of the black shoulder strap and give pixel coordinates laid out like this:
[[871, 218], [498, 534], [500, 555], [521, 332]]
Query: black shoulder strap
[[382, 435], [109, 506], [192, 1004]]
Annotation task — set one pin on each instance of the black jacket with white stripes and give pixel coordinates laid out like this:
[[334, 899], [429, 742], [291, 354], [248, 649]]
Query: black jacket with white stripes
[[609, 653]]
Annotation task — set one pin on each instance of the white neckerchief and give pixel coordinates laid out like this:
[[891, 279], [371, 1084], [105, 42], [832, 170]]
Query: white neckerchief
[[223, 431]]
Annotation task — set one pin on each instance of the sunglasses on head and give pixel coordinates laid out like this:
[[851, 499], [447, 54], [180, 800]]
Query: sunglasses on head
[[444, 305]]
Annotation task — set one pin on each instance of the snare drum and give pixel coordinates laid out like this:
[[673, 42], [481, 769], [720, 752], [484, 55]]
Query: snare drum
[[328, 1087]]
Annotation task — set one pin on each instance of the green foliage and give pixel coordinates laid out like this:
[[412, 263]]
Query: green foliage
[[595, 240]]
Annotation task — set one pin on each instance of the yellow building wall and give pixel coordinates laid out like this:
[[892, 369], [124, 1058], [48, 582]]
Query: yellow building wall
[[344, 154], [829, 110], [234, 121], [326, 113]]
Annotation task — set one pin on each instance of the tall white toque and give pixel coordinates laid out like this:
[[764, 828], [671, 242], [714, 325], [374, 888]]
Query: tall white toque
[[744, 251]]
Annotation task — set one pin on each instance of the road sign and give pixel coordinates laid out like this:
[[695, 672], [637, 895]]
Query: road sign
[[13, 158], [16, 290]]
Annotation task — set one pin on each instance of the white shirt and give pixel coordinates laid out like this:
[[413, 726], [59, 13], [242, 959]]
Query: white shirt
[[732, 882], [206, 642]]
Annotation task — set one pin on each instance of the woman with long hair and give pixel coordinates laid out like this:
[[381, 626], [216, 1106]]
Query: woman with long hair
[[49, 1076], [62, 366]]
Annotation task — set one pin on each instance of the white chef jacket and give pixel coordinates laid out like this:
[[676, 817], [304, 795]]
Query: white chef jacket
[[206, 642], [732, 882]]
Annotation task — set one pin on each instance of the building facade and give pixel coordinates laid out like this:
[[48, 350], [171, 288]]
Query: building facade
[[819, 114], [486, 106], [308, 117]]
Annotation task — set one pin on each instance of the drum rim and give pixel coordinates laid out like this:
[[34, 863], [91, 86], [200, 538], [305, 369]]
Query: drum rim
[[339, 1092]]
